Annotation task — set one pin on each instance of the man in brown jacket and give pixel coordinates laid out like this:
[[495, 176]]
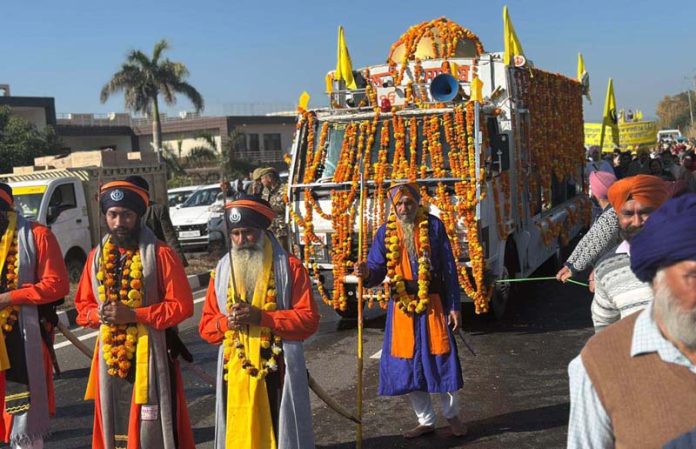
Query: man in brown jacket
[[634, 384]]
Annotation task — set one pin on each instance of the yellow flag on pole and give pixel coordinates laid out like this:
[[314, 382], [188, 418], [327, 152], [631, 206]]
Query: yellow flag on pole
[[303, 101], [344, 66], [476, 90], [511, 42], [584, 77], [610, 118]]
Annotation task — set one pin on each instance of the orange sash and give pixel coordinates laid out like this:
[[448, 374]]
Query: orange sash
[[403, 324]]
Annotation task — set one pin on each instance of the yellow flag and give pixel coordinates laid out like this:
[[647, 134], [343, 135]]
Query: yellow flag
[[344, 66], [584, 77], [476, 87], [303, 101], [511, 42], [610, 118]]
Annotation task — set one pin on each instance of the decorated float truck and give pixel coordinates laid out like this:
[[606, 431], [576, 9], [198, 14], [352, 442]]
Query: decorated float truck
[[497, 151]]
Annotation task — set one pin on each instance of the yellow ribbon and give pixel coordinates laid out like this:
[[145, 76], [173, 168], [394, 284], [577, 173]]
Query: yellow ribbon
[[5, 246], [249, 424]]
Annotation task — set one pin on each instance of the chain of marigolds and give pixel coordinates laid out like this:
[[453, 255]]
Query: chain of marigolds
[[449, 34], [9, 314], [232, 342], [119, 340]]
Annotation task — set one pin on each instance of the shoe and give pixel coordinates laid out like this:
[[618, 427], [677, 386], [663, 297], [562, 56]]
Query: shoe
[[418, 431], [457, 428]]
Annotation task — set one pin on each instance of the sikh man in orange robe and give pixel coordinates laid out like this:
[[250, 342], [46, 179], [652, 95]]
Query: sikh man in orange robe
[[259, 308], [32, 274], [135, 291]]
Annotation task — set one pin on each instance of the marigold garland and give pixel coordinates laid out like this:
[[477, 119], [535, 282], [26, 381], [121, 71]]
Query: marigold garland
[[405, 302], [232, 342], [120, 280], [9, 314]]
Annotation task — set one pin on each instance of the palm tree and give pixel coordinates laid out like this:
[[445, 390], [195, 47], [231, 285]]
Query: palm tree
[[143, 79]]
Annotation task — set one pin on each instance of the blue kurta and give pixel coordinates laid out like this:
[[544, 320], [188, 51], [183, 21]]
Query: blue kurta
[[424, 372]]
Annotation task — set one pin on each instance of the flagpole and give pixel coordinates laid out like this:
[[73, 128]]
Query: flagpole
[[605, 117], [361, 237]]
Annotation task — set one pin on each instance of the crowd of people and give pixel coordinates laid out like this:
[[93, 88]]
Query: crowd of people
[[640, 365]]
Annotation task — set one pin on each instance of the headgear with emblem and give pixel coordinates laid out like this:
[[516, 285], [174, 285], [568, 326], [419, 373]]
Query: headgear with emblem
[[6, 198], [249, 212], [124, 194]]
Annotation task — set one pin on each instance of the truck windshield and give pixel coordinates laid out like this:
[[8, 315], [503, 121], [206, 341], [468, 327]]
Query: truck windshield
[[28, 204], [203, 197], [335, 141]]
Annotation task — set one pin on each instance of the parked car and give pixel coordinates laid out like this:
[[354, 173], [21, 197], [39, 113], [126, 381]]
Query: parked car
[[179, 195], [190, 219]]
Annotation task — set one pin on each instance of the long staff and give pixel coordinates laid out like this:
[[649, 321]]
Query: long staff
[[361, 237], [228, 238]]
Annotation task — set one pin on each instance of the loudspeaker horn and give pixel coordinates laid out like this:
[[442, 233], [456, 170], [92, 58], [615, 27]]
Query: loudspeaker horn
[[444, 87]]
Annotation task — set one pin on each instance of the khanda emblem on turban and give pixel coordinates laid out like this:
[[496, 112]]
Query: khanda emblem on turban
[[235, 216], [116, 195]]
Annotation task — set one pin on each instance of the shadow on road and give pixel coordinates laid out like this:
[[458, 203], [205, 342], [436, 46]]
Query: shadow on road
[[532, 420]]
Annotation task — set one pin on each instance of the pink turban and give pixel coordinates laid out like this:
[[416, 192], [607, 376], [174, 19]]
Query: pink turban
[[600, 181]]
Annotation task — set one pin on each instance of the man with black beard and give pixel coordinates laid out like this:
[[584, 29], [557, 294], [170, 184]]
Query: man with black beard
[[634, 384], [32, 274], [618, 293], [135, 291], [259, 308]]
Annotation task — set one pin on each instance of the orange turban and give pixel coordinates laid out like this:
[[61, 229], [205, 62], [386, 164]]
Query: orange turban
[[397, 191], [649, 190]]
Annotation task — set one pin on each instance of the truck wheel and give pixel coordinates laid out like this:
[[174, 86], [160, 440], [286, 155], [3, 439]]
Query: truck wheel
[[75, 264]]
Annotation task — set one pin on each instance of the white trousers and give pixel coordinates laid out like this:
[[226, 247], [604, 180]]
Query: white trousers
[[36, 444], [423, 406]]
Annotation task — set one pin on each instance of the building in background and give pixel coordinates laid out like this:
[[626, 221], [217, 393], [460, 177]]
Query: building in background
[[262, 139]]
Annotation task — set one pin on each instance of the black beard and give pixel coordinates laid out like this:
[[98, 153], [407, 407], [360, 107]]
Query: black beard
[[628, 233], [128, 242]]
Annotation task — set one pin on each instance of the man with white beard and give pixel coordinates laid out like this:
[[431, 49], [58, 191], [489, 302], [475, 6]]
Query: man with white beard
[[634, 383], [419, 353], [259, 308]]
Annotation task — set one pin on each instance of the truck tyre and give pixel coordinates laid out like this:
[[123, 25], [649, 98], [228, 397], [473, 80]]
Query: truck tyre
[[75, 263]]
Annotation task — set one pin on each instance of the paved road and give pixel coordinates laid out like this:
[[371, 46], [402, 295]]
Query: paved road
[[515, 391]]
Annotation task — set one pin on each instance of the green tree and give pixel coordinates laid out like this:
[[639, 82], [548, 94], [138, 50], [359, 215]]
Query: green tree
[[143, 79], [21, 141], [233, 166]]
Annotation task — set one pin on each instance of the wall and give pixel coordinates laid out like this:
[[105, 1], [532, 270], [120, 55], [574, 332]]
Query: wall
[[78, 143]]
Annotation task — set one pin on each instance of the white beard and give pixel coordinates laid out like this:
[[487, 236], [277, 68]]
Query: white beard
[[248, 266], [409, 242], [679, 324]]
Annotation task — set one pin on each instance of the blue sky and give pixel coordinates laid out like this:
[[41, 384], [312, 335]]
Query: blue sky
[[269, 51]]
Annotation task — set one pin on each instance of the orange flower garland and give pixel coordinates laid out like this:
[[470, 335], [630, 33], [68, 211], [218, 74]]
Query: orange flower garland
[[8, 315], [119, 340]]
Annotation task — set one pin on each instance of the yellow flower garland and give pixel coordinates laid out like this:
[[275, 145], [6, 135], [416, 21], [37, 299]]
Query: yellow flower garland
[[119, 340], [394, 248], [8, 315], [232, 341]]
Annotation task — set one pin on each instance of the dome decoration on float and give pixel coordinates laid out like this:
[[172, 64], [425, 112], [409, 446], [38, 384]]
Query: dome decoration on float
[[438, 38]]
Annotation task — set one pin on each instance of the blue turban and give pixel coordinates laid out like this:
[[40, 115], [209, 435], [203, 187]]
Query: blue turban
[[668, 237]]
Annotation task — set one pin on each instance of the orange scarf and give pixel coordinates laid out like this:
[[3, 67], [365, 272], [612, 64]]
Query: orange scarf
[[403, 324]]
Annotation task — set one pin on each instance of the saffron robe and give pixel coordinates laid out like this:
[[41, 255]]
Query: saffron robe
[[175, 307], [425, 371], [51, 284], [295, 320]]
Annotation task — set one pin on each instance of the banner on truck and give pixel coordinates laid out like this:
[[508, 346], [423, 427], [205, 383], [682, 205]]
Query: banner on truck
[[630, 134]]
